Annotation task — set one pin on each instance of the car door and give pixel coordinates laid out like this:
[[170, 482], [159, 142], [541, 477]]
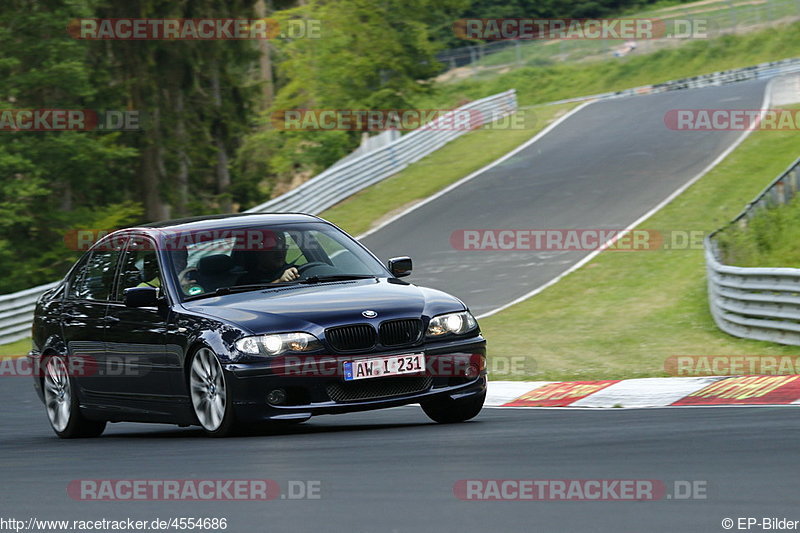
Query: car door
[[136, 337], [83, 317]]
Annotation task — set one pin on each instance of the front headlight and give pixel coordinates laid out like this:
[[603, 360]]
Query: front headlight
[[277, 344], [452, 324]]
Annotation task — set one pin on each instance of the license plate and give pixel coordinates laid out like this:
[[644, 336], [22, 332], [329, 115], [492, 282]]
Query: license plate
[[392, 365]]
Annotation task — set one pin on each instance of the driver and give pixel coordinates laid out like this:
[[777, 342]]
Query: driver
[[268, 266]]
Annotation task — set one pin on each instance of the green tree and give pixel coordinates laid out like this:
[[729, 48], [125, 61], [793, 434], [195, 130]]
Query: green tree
[[371, 55], [196, 96], [49, 179]]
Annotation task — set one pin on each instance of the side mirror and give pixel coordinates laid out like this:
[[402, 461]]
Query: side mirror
[[141, 297], [400, 266]]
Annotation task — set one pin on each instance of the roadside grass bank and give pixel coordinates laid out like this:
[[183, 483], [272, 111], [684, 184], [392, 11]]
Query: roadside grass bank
[[548, 83], [770, 239], [624, 313], [716, 18], [21, 347]]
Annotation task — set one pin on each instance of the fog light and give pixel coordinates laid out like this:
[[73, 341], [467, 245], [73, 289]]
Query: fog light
[[277, 397], [471, 371]]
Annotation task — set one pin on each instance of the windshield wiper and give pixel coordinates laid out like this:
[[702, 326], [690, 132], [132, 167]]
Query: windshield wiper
[[239, 288], [337, 277]]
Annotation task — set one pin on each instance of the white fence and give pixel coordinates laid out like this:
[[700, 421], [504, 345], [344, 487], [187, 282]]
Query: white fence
[[757, 303]]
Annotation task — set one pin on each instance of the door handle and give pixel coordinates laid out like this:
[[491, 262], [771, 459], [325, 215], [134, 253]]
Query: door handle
[[72, 320]]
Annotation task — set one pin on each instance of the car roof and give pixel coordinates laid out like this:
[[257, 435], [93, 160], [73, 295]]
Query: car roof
[[237, 220], [209, 223]]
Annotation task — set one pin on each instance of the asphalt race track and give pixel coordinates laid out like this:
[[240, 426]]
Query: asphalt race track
[[602, 168], [395, 471]]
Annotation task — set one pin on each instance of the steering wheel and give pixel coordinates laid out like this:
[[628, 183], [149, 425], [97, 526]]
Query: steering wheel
[[307, 266], [184, 279]]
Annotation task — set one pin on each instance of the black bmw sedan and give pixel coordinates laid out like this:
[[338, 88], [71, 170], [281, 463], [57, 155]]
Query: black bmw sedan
[[231, 321]]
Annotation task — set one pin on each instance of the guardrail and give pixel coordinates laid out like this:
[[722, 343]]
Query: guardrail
[[16, 312], [756, 303], [757, 72], [341, 181]]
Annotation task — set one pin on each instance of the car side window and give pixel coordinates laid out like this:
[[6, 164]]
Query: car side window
[[139, 269], [95, 278], [76, 279]]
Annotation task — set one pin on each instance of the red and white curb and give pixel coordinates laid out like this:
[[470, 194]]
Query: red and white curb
[[647, 392]]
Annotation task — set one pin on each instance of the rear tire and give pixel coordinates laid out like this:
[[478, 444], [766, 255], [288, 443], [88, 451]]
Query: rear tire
[[61, 403], [449, 411]]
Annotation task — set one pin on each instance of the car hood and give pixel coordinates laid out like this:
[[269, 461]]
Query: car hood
[[315, 307]]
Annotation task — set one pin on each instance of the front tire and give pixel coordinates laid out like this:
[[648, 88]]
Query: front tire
[[211, 397], [449, 411], [61, 403]]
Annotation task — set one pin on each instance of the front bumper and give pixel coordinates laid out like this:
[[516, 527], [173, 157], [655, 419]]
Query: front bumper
[[456, 369]]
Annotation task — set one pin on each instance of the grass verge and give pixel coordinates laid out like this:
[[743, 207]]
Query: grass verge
[[624, 313], [555, 82], [715, 18], [769, 239], [21, 347], [431, 174]]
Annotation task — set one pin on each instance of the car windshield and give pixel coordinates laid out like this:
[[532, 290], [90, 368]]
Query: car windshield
[[229, 259]]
